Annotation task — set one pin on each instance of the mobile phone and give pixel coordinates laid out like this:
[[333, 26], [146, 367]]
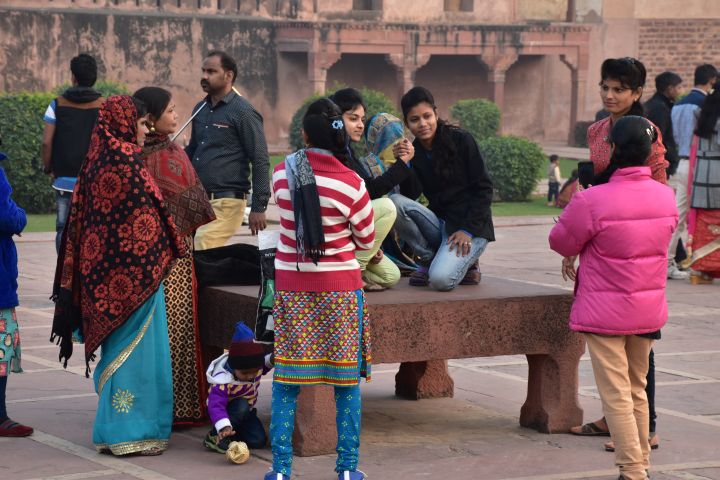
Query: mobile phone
[[586, 173]]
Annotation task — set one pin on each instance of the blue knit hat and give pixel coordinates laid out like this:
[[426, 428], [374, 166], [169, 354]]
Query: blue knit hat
[[244, 351]]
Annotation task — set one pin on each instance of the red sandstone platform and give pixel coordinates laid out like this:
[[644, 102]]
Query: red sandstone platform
[[421, 329]]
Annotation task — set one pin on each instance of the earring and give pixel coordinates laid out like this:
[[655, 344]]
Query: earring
[[152, 128]]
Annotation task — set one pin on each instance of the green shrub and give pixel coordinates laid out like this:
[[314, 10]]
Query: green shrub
[[106, 87], [375, 101], [580, 134], [21, 124], [478, 116], [513, 163]]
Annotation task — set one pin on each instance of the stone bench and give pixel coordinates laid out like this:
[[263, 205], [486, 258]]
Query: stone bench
[[421, 329]]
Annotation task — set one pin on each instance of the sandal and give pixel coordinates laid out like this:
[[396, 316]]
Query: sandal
[[369, 286], [8, 428], [654, 443], [590, 430]]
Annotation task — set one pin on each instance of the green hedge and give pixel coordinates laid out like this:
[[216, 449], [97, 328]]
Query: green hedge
[[375, 101], [513, 163], [21, 124], [480, 117]]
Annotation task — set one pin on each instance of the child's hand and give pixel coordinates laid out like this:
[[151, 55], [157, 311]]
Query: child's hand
[[225, 432]]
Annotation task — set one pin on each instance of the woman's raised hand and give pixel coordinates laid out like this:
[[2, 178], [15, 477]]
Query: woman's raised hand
[[404, 150]]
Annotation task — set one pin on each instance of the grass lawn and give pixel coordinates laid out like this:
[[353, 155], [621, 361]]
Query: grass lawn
[[535, 207], [40, 223]]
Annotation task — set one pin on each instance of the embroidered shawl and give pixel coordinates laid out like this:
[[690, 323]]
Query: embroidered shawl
[[598, 137], [382, 132], [119, 241], [180, 186]]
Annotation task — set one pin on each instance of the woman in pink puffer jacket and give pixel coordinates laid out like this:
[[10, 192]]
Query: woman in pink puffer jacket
[[621, 231]]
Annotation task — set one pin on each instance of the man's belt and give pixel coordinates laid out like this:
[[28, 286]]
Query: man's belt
[[229, 194]]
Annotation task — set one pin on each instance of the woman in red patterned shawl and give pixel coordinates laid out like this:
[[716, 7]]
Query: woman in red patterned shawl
[[119, 244], [189, 206]]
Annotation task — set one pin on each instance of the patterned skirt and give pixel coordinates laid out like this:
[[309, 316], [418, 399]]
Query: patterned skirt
[[9, 342], [321, 338], [189, 388]]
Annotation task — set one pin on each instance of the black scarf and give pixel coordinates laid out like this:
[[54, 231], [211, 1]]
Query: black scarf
[[309, 234]]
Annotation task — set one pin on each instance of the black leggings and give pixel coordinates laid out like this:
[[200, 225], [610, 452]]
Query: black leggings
[[3, 409]]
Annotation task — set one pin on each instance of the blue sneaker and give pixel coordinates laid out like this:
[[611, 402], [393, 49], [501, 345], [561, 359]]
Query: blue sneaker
[[273, 475], [354, 475]]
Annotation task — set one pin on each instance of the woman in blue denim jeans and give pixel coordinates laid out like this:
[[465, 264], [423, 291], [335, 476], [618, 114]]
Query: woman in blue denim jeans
[[450, 234]]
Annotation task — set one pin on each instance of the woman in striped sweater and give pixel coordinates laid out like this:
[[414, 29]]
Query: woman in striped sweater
[[321, 324]]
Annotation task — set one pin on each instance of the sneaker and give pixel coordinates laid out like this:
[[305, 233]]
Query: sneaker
[[354, 475], [211, 443], [420, 277], [8, 428], [273, 475], [674, 273]]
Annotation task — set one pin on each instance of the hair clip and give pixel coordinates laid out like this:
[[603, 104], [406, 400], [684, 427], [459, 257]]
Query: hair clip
[[338, 125]]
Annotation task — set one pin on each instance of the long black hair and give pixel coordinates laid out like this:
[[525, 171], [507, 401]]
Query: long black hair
[[631, 73], [632, 138], [325, 128], [347, 99], [156, 100], [709, 114], [444, 151]]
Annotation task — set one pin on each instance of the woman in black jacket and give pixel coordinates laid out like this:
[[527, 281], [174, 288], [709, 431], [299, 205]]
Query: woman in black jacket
[[450, 235], [378, 271]]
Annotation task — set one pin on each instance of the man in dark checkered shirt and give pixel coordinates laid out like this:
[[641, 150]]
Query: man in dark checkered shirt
[[226, 147]]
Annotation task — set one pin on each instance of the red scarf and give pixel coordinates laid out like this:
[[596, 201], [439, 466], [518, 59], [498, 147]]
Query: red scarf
[[119, 241], [180, 186]]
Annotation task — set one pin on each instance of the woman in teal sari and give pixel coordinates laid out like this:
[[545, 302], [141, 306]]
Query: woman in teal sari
[[119, 244]]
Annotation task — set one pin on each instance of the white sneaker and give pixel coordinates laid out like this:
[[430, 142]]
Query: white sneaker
[[674, 273]]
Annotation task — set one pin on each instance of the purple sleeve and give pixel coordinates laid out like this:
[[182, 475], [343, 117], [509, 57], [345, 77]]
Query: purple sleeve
[[217, 403]]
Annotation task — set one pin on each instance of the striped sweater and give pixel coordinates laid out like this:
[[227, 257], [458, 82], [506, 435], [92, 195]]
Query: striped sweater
[[347, 219]]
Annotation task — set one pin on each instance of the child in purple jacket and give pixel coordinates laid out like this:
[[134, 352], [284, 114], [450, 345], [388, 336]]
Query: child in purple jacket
[[234, 379]]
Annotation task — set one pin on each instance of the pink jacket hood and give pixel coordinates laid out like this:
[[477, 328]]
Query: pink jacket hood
[[621, 230]]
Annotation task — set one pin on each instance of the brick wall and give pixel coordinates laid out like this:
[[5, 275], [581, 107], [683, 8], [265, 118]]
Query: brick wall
[[679, 46]]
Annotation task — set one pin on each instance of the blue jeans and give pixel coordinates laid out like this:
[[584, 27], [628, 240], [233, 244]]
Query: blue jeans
[[248, 427], [62, 201], [420, 228], [282, 423]]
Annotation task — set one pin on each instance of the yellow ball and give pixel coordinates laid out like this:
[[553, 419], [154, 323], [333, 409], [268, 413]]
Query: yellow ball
[[238, 452]]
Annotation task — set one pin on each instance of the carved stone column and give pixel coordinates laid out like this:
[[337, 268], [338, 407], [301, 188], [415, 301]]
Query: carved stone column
[[498, 64], [319, 63], [406, 66], [577, 62]]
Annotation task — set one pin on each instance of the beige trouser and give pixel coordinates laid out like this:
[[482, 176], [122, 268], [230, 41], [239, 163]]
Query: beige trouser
[[679, 182], [384, 273], [620, 364], [229, 213]]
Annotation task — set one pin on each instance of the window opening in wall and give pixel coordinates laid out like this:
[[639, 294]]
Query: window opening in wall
[[237, 5], [219, 4], [367, 4], [459, 5], [199, 4]]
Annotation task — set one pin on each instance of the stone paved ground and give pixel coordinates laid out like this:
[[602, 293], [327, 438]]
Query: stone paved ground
[[472, 436]]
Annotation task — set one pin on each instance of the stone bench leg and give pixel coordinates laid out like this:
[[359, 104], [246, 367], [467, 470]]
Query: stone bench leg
[[429, 379], [552, 405], [315, 431]]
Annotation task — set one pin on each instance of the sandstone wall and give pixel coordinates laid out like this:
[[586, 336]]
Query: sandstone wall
[[139, 50]]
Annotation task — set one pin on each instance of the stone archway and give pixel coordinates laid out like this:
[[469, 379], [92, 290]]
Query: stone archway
[[453, 77], [360, 70]]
